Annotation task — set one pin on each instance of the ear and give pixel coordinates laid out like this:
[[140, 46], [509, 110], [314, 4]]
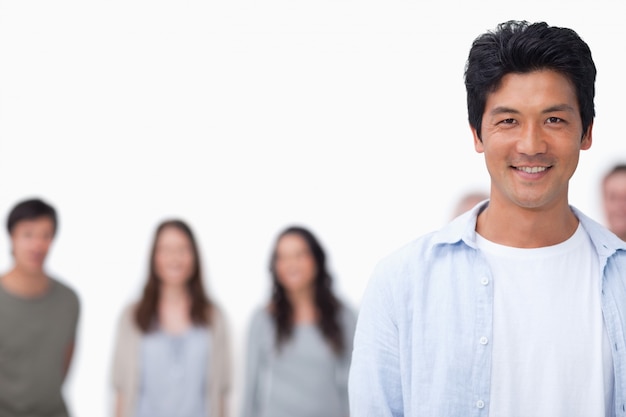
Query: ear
[[587, 138], [478, 143]]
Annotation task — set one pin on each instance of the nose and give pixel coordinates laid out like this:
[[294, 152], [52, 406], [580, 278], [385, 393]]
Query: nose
[[531, 140]]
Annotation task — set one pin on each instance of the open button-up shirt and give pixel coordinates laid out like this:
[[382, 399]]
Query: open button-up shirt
[[421, 344]]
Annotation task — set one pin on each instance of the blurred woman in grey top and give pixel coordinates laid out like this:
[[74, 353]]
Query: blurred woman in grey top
[[172, 356], [299, 346]]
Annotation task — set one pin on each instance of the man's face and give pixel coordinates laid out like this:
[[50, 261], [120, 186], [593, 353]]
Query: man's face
[[614, 196], [31, 240], [531, 138]]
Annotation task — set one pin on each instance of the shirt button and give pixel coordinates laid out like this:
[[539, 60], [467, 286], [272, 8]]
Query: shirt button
[[480, 404], [484, 281], [483, 340]]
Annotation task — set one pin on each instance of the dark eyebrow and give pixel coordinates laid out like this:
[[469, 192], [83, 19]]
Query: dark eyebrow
[[555, 108], [559, 107], [502, 109]]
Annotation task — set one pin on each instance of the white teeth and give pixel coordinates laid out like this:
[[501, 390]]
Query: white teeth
[[532, 170]]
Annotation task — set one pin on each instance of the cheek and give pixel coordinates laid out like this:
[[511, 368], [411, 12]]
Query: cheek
[[20, 246], [280, 268], [189, 261], [159, 263], [310, 268]]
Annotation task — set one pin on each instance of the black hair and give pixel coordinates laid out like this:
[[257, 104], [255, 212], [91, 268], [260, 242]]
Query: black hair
[[31, 209], [520, 47], [328, 306], [616, 169]]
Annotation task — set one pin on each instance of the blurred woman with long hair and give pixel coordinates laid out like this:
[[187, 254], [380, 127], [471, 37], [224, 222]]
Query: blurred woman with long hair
[[172, 354], [300, 344]]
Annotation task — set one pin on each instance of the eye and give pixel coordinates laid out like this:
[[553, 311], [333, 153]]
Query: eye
[[508, 121], [553, 119]]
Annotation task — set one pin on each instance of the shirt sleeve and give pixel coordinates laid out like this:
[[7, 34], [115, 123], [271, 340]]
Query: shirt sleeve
[[224, 373], [253, 368], [375, 388], [348, 322], [120, 364]]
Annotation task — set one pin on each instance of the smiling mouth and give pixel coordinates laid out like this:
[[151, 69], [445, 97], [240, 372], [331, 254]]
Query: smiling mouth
[[531, 170]]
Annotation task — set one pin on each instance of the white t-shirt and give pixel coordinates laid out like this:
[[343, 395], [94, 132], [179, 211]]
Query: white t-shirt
[[551, 354]]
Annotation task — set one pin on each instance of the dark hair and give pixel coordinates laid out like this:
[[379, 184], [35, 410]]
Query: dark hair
[[30, 210], [520, 47], [617, 169], [146, 313], [327, 304]]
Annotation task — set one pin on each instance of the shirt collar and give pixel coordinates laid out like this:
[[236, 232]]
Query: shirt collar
[[605, 242], [463, 228]]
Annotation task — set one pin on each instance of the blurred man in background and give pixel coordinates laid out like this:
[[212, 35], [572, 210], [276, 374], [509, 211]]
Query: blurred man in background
[[38, 319], [614, 200], [468, 201]]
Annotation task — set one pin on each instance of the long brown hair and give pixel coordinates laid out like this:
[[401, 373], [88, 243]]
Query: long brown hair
[[146, 314], [327, 304]]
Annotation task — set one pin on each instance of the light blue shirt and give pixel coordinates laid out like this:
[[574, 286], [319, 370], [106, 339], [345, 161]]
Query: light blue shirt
[[173, 369], [304, 378], [421, 346]]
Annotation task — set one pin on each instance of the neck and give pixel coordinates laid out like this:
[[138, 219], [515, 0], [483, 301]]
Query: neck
[[24, 283], [174, 309], [526, 228], [303, 303], [173, 293]]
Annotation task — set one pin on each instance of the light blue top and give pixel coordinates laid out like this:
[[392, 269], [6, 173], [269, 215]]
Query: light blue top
[[305, 378], [417, 348], [173, 373]]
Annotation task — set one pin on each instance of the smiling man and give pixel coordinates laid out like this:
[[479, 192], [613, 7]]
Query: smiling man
[[38, 318], [518, 307]]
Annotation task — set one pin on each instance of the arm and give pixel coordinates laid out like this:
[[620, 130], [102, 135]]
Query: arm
[[122, 364], [69, 354], [375, 388], [119, 405], [224, 363], [223, 406], [69, 349], [348, 324], [249, 404]]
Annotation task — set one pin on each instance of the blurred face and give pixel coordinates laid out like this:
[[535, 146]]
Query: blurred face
[[531, 139], [615, 203], [174, 257], [294, 264], [31, 240]]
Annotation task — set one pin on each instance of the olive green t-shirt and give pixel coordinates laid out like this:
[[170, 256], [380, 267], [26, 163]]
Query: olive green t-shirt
[[35, 334]]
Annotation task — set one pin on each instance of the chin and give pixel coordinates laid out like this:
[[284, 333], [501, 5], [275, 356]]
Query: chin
[[174, 281]]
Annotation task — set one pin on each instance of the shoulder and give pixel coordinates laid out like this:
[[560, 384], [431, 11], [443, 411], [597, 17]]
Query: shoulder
[[219, 330], [261, 319], [347, 313], [401, 263], [399, 277], [126, 319], [602, 238], [65, 295], [64, 290], [261, 313], [128, 312], [347, 317], [218, 317]]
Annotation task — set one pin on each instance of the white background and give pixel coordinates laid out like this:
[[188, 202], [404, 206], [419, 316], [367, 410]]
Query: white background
[[243, 117]]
